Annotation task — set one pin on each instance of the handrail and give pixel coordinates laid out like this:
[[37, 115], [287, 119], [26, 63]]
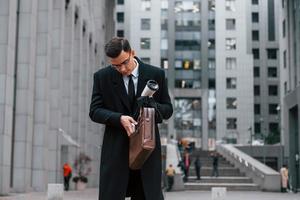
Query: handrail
[[267, 178]]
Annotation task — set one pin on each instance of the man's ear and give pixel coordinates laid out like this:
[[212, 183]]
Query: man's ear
[[133, 52]]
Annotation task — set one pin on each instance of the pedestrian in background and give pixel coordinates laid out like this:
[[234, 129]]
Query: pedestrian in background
[[284, 172], [170, 172], [215, 158], [187, 163], [67, 175], [197, 165]]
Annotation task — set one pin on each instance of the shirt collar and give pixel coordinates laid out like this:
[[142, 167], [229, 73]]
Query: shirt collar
[[135, 72]]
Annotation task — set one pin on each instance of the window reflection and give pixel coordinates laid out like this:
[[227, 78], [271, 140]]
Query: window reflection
[[188, 117]]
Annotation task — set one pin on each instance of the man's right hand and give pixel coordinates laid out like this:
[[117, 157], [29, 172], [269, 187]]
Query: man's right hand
[[128, 123]]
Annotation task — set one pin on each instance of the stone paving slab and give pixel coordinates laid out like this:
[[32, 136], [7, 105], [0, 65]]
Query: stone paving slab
[[91, 194]]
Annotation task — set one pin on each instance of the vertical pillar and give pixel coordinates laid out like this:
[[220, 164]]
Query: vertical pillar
[[7, 70], [56, 68], [40, 159], [75, 127], [23, 126]]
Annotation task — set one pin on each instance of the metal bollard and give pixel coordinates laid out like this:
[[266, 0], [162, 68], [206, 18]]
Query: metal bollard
[[55, 192], [218, 193]]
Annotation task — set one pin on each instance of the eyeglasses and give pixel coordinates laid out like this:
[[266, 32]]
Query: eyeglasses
[[125, 62]]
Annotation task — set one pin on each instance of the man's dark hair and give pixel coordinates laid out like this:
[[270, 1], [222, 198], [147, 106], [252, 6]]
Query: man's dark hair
[[115, 46]]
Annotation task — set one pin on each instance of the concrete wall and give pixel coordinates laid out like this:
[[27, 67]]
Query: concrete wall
[[48, 56]]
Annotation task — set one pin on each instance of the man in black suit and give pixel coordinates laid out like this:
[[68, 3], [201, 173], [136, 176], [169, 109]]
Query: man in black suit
[[114, 102]]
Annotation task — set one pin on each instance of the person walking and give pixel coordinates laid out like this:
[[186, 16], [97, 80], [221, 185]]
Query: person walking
[[114, 103], [215, 171], [284, 173], [67, 169], [170, 173], [197, 165], [187, 162]]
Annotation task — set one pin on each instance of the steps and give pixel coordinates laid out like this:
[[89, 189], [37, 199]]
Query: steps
[[229, 176]]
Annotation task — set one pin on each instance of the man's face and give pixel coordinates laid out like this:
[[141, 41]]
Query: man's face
[[124, 63]]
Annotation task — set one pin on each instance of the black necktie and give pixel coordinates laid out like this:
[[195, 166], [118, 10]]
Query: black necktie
[[131, 93]]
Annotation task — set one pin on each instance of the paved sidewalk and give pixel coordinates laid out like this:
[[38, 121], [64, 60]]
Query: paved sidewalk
[[91, 194]]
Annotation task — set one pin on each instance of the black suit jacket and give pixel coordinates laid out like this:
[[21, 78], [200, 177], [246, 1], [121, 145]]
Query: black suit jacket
[[109, 102]]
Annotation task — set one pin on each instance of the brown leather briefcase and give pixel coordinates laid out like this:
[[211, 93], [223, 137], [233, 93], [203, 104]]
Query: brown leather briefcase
[[142, 142]]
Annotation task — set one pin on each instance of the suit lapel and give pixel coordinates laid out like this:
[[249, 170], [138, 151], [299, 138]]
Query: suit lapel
[[120, 88], [142, 80]]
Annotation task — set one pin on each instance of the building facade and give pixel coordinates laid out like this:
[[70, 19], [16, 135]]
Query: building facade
[[263, 42], [234, 83], [48, 51], [197, 77], [289, 21]]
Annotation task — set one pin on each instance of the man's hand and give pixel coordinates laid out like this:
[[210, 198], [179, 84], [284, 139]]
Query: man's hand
[[128, 123], [146, 101]]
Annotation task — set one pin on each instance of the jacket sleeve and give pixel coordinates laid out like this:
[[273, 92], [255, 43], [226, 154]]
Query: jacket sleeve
[[164, 104], [98, 113]]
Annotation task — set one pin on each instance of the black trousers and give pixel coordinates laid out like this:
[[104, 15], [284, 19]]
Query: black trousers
[[135, 188], [170, 183], [66, 182]]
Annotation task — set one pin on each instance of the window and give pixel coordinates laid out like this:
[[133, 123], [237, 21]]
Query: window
[[178, 64], [230, 24], [273, 90], [145, 43], [181, 83], [230, 5], [231, 103], [211, 24], [285, 88], [145, 60], [120, 2], [255, 35], [230, 63], [197, 64], [164, 44], [187, 64], [145, 24], [255, 17], [254, 2], [211, 44], [231, 123], [273, 127], [256, 71], [257, 128], [272, 53], [257, 109], [230, 43], [255, 53], [211, 63], [164, 63], [146, 5], [256, 90], [211, 5], [283, 28], [120, 17], [272, 72], [273, 109], [211, 84], [231, 83], [284, 59], [120, 33], [271, 20], [187, 45]]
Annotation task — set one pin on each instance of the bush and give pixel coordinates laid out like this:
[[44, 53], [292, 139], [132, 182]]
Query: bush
[[82, 167]]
